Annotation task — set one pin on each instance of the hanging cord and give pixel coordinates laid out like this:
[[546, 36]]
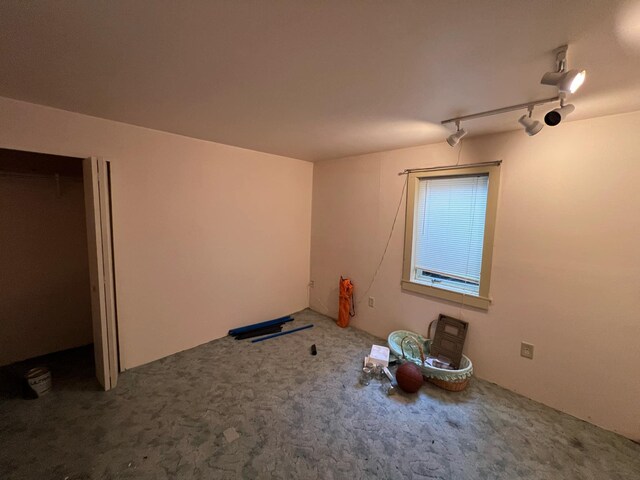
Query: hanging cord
[[460, 151], [393, 226]]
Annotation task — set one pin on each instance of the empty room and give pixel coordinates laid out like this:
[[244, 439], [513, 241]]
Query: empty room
[[319, 239]]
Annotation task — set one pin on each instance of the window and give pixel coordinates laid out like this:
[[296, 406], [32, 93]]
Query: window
[[449, 233]]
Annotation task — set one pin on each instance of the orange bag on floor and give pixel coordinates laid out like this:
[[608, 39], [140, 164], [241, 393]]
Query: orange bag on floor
[[346, 308]]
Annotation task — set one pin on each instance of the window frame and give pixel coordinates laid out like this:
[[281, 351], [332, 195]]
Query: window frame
[[483, 300]]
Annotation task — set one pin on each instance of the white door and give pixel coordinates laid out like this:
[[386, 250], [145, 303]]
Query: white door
[[97, 194]]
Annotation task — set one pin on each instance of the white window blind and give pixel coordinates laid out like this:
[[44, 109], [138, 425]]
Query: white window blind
[[450, 219]]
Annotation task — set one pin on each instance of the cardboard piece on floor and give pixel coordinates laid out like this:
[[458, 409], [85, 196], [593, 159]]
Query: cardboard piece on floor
[[230, 434]]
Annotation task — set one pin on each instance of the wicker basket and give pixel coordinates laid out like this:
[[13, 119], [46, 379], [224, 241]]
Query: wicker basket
[[403, 344], [450, 386]]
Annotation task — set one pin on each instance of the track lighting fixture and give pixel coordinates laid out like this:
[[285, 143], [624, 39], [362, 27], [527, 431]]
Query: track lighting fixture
[[555, 116], [531, 126], [566, 81], [454, 138]]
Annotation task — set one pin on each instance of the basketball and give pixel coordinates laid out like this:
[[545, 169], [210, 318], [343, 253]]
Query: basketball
[[409, 377]]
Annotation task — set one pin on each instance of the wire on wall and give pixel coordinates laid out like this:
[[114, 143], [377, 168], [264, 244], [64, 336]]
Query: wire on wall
[[384, 253], [459, 152]]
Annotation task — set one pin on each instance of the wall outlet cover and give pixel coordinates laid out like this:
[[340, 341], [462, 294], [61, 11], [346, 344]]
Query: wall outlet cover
[[526, 350]]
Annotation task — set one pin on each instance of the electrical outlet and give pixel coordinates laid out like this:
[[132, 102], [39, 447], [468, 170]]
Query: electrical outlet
[[526, 350], [312, 284], [372, 302]]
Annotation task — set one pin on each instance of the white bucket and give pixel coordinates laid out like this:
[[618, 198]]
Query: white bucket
[[38, 382]]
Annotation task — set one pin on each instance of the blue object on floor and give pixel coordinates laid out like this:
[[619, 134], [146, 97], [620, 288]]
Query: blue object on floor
[[282, 333], [248, 328]]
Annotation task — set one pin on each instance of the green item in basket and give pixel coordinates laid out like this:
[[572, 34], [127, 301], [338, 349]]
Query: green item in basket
[[412, 354], [411, 351]]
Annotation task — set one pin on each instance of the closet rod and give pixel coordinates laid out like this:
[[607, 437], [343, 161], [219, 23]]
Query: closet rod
[[39, 175], [450, 167]]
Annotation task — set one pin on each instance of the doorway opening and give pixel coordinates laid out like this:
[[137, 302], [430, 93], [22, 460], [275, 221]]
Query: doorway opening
[[48, 258]]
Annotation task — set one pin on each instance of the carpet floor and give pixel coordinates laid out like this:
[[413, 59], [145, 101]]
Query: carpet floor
[[232, 409]]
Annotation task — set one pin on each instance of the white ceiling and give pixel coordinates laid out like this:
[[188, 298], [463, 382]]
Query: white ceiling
[[314, 79]]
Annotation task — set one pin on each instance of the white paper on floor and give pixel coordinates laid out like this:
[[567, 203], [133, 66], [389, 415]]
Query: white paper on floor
[[230, 434]]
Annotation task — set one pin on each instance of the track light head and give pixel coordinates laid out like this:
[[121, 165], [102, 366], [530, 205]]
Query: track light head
[[567, 82], [454, 138], [555, 116], [531, 127]]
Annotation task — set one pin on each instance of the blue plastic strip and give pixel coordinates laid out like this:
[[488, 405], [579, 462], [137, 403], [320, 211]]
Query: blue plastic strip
[[268, 323], [282, 333]]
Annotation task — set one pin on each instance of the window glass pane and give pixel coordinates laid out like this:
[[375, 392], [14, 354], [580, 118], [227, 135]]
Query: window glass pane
[[449, 235], [447, 282]]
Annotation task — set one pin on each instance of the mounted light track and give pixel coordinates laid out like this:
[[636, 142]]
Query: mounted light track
[[567, 81], [489, 113]]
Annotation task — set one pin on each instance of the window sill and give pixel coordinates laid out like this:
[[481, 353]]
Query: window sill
[[470, 300]]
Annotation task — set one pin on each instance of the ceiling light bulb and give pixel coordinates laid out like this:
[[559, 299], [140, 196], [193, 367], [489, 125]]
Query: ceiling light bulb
[[555, 116], [454, 138], [577, 80], [567, 82], [531, 127]]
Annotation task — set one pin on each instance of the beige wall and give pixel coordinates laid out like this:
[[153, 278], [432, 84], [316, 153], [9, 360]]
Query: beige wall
[[206, 236], [45, 304], [566, 268]]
